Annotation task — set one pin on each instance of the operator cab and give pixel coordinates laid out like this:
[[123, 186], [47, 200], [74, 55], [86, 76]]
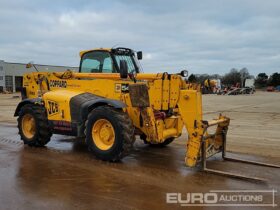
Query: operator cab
[[109, 60]]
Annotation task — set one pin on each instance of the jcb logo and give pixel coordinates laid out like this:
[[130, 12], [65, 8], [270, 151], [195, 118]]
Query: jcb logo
[[52, 107]]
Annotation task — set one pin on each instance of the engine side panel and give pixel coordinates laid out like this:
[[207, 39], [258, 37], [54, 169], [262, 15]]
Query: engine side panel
[[57, 104], [67, 110]]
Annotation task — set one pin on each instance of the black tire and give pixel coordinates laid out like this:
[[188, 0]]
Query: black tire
[[162, 144], [42, 128], [123, 128]]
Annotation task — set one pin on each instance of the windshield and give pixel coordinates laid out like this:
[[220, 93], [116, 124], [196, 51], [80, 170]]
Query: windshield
[[129, 60], [97, 62], [101, 61]]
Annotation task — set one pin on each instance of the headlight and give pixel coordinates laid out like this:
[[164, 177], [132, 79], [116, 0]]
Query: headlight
[[184, 73]]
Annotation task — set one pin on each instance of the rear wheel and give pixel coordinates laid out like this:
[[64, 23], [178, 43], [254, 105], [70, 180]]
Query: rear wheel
[[109, 133], [33, 125]]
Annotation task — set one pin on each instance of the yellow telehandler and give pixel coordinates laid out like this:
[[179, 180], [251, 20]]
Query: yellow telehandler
[[110, 101]]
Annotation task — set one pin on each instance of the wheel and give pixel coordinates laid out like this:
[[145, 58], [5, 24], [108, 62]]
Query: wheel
[[109, 133], [33, 125], [162, 144]]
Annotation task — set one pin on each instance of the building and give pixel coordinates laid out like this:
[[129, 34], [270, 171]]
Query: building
[[11, 74]]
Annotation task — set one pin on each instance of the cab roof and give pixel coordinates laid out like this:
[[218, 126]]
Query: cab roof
[[96, 49], [118, 50]]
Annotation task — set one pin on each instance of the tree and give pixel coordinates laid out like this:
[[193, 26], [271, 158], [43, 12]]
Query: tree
[[232, 78], [274, 79], [244, 73], [215, 76], [263, 75], [192, 78], [202, 77], [261, 80]]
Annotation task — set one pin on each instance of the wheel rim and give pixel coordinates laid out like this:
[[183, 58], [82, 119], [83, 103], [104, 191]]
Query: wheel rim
[[103, 134], [28, 126]]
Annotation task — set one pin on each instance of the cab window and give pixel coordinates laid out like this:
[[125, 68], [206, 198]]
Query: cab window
[[97, 62], [129, 60]]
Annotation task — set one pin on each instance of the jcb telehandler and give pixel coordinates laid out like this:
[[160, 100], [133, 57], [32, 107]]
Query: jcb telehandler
[[110, 101]]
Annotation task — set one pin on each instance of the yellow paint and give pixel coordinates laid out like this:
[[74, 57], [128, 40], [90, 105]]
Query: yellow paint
[[103, 134], [174, 89], [149, 125], [155, 93], [210, 83], [96, 49], [62, 98], [167, 93], [28, 126]]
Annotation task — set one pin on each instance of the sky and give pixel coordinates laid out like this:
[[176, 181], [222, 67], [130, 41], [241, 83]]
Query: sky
[[206, 36]]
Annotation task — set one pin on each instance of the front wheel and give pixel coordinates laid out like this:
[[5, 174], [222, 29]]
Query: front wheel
[[109, 133]]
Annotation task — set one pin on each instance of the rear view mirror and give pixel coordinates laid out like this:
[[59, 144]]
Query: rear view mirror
[[139, 55], [123, 69]]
